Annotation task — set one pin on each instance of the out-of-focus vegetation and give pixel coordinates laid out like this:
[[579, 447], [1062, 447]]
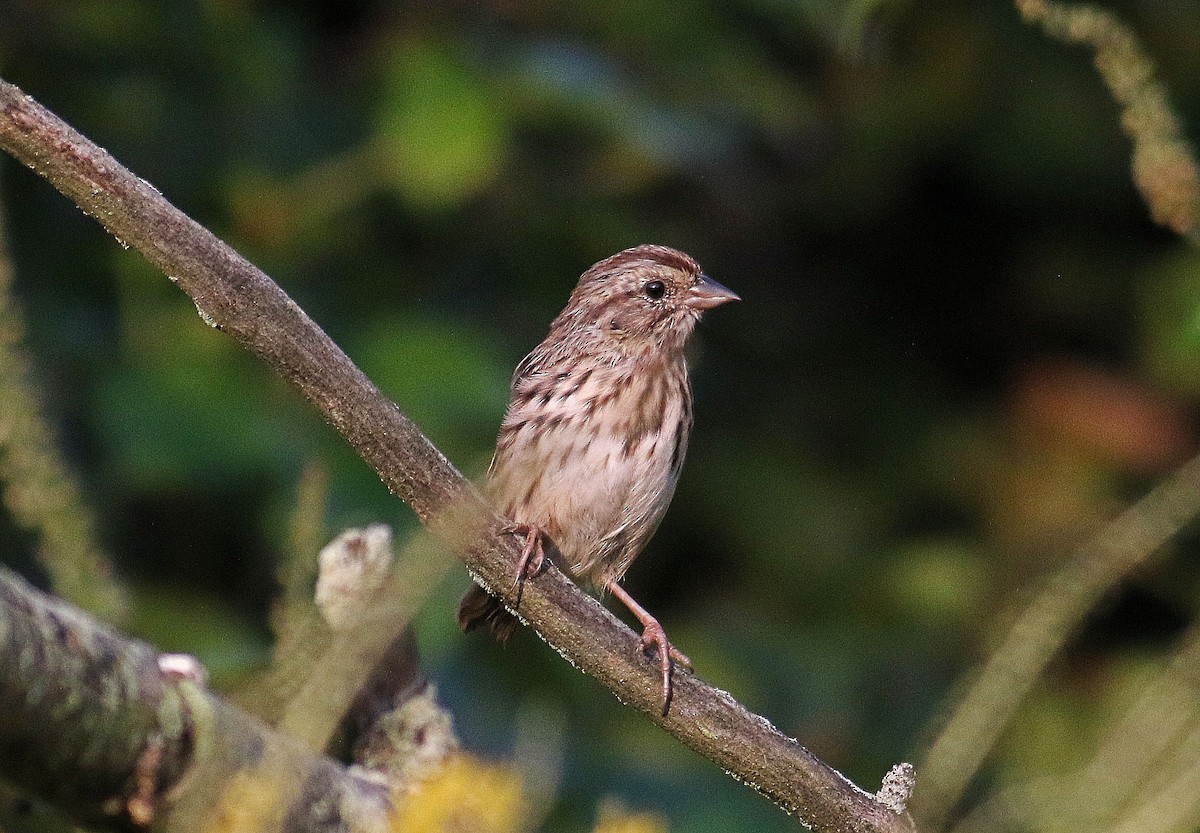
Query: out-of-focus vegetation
[[963, 343]]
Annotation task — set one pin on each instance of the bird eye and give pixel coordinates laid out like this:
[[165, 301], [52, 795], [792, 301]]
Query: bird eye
[[655, 289]]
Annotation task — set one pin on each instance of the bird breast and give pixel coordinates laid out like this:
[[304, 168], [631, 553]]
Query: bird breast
[[592, 458]]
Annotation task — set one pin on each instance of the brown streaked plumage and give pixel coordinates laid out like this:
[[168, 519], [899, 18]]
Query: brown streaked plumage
[[597, 428]]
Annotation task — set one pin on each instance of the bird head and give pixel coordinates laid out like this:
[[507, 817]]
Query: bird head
[[645, 298]]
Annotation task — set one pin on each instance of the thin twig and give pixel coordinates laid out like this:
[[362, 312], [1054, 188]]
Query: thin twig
[[1138, 752], [1040, 631], [1163, 161], [1128, 759], [1166, 173]]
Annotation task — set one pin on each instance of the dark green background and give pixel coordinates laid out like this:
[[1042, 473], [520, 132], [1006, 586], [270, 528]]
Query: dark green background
[[962, 343]]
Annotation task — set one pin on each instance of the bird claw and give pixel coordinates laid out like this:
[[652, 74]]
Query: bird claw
[[533, 555], [680, 657], [654, 637]]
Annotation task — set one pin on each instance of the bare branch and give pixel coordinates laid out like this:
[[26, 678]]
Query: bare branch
[[239, 299]]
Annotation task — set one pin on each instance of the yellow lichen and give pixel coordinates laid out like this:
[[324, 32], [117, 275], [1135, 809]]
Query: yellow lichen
[[467, 796], [250, 804], [621, 822]]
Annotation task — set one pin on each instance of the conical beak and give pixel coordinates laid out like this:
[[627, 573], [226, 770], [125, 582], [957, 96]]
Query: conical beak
[[707, 294]]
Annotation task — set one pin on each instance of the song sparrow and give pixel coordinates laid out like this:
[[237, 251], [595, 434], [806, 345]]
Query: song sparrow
[[596, 430]]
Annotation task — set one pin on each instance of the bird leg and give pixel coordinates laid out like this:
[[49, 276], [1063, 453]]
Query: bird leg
[[654, 636], [533, 554]]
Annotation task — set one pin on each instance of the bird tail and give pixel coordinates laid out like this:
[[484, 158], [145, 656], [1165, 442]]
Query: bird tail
[[478, 607]]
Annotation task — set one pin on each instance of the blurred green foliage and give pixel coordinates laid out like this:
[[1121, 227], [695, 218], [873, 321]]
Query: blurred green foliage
[[929, 212]]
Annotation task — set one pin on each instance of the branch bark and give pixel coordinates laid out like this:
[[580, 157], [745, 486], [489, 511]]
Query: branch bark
[[239, 299], [90, 723]]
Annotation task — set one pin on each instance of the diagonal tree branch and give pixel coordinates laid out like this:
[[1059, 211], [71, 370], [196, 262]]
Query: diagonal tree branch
[[234, 296]]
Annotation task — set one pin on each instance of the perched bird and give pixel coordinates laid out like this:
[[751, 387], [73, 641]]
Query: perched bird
[[594, 437]]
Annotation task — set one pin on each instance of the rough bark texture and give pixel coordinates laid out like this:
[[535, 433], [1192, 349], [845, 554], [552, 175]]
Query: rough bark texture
[[90, 724], [239, 299], [79, 705]]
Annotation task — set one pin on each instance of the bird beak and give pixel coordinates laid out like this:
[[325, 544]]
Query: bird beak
[[707, 293]]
